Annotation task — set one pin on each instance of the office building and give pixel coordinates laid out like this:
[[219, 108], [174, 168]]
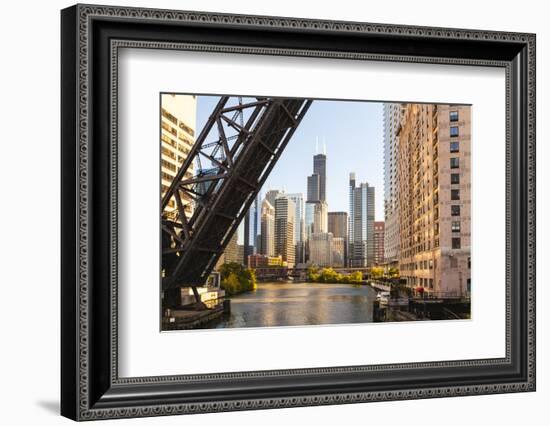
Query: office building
[[299, 226], [313, 188], [284, 229], [267, 233], [361, 224], [320, 249]]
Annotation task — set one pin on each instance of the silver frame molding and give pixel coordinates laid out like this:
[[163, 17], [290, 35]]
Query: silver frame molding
[[91, 39]]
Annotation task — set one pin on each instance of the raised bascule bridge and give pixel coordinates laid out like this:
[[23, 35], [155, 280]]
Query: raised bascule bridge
[[232, 157]]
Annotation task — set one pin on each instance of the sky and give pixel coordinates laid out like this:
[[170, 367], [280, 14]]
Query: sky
[[353, 134]]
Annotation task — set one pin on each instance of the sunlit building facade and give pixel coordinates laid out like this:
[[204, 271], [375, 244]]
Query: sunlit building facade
[[178, 127], [434, 197]]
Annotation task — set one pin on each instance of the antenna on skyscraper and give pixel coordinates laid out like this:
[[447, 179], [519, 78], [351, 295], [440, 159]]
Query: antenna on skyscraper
[[324, 147], [316, 145]]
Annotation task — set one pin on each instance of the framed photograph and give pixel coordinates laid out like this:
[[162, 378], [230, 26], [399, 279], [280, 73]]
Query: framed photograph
[[263, 212]]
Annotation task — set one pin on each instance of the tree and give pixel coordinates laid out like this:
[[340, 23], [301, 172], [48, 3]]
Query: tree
[[245, 278], [356, 277], [393, 272], [231, 284], [376, 272]]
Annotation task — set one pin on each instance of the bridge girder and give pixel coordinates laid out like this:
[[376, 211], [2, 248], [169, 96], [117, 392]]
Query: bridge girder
[[230, 160]]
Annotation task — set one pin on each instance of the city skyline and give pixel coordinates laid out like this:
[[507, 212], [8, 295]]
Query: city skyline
[[322, 131], [253, 209]]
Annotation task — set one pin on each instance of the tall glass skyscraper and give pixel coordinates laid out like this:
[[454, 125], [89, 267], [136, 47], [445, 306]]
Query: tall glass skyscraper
[[252, 228], [361, 224]]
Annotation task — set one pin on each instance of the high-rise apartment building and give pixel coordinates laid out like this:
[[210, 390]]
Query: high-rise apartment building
[[378, 243], [434, 197], [320, 169], [267, 233], [392, 119], [178, 123], [361, 224], [284, 229]]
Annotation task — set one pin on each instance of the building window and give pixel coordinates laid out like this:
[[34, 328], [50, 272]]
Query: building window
[[455, 194], [454, 130], [454, 163], [469, 263], [455, 226], [455, 210], [454, 146], [453, 116], [469, 285], [456, 243], [455, 178]]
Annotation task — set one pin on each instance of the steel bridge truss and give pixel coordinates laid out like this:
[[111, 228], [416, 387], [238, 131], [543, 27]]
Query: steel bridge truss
[[232, 157]]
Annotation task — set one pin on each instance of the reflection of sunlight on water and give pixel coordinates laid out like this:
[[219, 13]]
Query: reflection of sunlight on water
[[284, 304]]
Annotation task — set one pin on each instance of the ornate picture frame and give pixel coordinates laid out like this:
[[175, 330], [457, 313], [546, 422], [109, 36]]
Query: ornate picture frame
[[91, 37]]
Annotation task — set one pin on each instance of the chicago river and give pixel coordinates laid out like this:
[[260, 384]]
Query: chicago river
[[275, 304]]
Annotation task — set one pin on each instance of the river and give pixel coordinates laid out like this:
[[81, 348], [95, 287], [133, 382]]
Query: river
[[275, 304]]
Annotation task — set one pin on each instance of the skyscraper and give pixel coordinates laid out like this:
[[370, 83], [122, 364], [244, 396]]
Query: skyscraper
[[320, 217], [392, 118], [313, 188], [299, 226], [320, 169], [434, 197], [251, 228], [309, 218], [267, 234], [271, 195], [361, 224], [284, 229]]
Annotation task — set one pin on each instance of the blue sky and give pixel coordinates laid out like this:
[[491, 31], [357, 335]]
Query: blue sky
[[353, 134]]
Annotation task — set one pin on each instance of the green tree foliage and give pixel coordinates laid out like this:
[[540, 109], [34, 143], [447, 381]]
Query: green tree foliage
[[376, 272], [329, 275], [235, 278], [393, 273]]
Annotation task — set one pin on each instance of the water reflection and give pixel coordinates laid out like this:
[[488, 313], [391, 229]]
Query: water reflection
[[288, 304]]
